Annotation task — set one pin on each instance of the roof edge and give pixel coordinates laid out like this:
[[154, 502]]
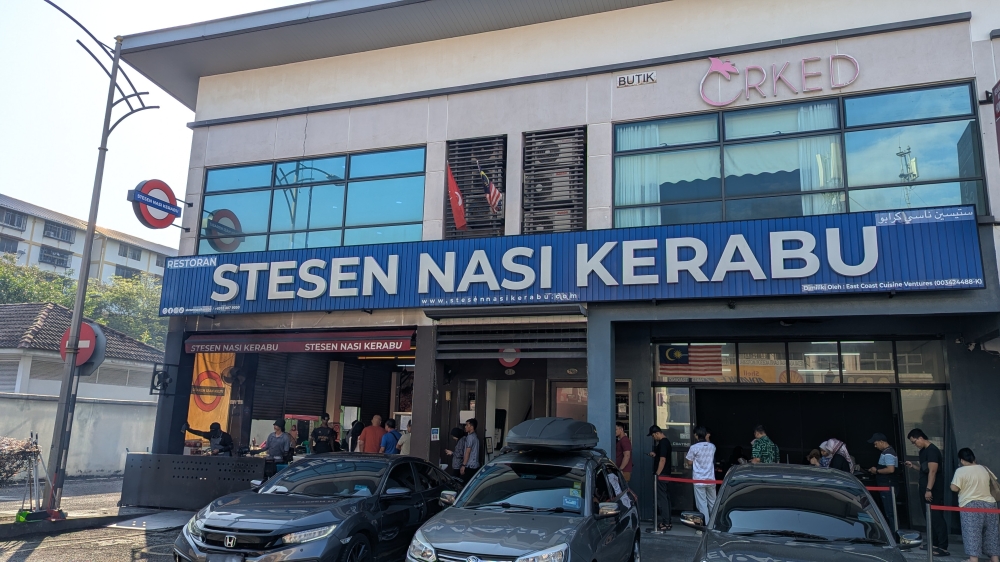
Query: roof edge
[[588, 71]]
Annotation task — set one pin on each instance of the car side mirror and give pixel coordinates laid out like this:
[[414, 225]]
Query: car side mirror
[[255, 485], [693, 519], [608, 509], [397, 493], [909, 540], [447, 498]]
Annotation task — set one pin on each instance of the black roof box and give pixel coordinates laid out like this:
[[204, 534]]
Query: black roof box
[[552, 434]]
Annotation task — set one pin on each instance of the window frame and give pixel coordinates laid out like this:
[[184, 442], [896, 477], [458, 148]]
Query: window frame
[[20, 220], [131, 271], [160, 261], [841, 131], [64, 255], [346, 182], [6, 240], [127, 250], [52, 229]]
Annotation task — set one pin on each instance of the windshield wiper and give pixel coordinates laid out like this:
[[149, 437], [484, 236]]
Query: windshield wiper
[[556, 510], [862, 540], [504, 505], [783, 533]]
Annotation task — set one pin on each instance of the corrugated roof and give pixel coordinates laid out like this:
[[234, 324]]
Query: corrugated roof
[[50, 215], [175, 58], [42, 325]]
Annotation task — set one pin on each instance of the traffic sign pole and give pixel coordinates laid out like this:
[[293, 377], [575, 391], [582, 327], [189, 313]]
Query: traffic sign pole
[[70, 383]]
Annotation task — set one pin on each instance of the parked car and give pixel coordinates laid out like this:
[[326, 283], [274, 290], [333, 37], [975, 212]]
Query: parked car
[[788, 512], [328, 507], [554, 498]]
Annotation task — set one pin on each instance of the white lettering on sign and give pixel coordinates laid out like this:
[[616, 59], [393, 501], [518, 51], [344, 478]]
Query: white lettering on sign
[[196, 261], [640, 79], [755, 78]]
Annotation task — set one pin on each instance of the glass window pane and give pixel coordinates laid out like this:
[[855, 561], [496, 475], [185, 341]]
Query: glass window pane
[[785, 166], [288, 241], [307, 171], [926, 410], [387, 163], [383, 234], [904, 106], [235, 213], [323, 239], [673, 415], [667, 132], [244, 177], [781, 120], [762, 363], [385, 201], [867, 362], [686, 213], [696, 362], [229, 245], [918, 196], [934, 151], [786, 206], [290, 209], [814, 362], [921, 362], [326, 207], [667, 177]]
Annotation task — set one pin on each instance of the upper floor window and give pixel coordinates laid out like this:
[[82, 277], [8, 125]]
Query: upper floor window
[[160, 260], [53, 256], [13, 219], [554, 193], [59, 232], [366, 198], [130, 252], [885, 151], [126, 272], [479, 169], [8, 245]]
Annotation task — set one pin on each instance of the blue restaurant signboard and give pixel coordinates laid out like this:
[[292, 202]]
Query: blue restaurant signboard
[[912, 250]]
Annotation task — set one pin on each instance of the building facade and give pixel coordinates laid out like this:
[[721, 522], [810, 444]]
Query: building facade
[[710, 215], [54, 242]]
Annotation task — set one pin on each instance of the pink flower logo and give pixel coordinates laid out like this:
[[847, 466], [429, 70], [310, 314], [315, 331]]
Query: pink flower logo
[[723, 68]]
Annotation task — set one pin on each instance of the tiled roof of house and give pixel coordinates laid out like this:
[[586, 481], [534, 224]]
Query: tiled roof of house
[[47, 214], [41, 326]]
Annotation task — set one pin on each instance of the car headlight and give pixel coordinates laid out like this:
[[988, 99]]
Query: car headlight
[[420, 549], [194, 527], [555, 554], [310, 535]]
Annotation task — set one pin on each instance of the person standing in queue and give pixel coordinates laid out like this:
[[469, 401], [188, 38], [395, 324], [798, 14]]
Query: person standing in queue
[[404, 442], [980, 530], [278, 443], [370, 440], [352, 442], [458, 454], [885, 475], [220, 442], [662, 466], [324, 439], [390, 440], [701, 459], [623, 451], [764, 450], [470, 459], [932, 485]]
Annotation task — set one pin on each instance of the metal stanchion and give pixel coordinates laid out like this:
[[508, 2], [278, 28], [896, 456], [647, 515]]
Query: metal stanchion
[[895, 514], [927, 541], [656, 506]]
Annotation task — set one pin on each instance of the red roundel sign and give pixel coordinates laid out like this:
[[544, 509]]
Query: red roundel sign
[[225, 225], [85, 349], [509, 357], [154, 204]]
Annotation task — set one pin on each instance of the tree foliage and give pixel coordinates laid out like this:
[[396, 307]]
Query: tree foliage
[[129, 305]]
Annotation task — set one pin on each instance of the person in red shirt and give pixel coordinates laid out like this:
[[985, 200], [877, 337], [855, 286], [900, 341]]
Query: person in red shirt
[[623, 452], [370, 440]]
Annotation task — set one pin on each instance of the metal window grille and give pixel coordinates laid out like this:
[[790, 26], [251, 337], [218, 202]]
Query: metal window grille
[[126, 272], [54, 257], [59, 232], [555, 181], [46, 370], [491, 154], [130, 252], [13, 219], [8, 245]]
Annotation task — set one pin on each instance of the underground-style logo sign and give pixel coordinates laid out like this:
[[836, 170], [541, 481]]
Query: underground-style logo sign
[[154, 204], [207, 387], [224, 230]]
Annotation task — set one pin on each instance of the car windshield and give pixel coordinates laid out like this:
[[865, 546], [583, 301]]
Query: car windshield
[[328, 477], [824, 513], [539, 487]]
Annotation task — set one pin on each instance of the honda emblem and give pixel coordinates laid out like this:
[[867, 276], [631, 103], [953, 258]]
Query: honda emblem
[[230, 541]]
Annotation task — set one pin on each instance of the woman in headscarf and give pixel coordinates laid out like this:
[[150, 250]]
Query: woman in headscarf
[[835, 455]]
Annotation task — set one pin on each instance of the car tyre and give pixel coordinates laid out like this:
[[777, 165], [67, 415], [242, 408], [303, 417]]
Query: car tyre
[[635, 551], [358, 550]]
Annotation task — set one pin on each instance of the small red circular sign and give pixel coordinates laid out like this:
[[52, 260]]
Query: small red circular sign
[[508, 357], [85, 349], [148, 215], [222, 223], [207, 390]]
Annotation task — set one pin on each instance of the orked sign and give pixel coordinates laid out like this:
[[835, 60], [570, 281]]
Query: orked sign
[[788, 77]]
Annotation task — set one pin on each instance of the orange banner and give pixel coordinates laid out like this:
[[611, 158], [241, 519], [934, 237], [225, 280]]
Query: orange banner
[[209, 390]]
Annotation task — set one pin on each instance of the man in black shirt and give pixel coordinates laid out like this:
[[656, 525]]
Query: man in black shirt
[[324, 439], [220, 442], [932, 484], [662, 466]]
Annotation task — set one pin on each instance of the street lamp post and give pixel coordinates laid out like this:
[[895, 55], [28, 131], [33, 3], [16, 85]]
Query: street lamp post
[[70, 382]]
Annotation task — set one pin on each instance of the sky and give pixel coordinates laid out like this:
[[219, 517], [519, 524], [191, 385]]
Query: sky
[[53, 105]]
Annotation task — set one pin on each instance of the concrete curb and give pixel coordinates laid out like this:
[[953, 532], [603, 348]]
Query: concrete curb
[[15, 530]]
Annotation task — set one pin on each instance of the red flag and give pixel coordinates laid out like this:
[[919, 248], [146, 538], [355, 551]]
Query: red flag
[[457, 202]]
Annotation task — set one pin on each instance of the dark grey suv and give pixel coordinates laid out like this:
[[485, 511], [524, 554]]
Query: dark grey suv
[[536, 506]]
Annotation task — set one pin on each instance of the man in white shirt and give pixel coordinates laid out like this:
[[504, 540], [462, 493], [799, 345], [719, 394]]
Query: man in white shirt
[[701, 460]]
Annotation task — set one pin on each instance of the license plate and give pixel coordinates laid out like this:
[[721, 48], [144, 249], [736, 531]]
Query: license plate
[[225, 557]]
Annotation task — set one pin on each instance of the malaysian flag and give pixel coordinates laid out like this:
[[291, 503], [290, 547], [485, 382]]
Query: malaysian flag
[[690, 360], [493, 195]]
